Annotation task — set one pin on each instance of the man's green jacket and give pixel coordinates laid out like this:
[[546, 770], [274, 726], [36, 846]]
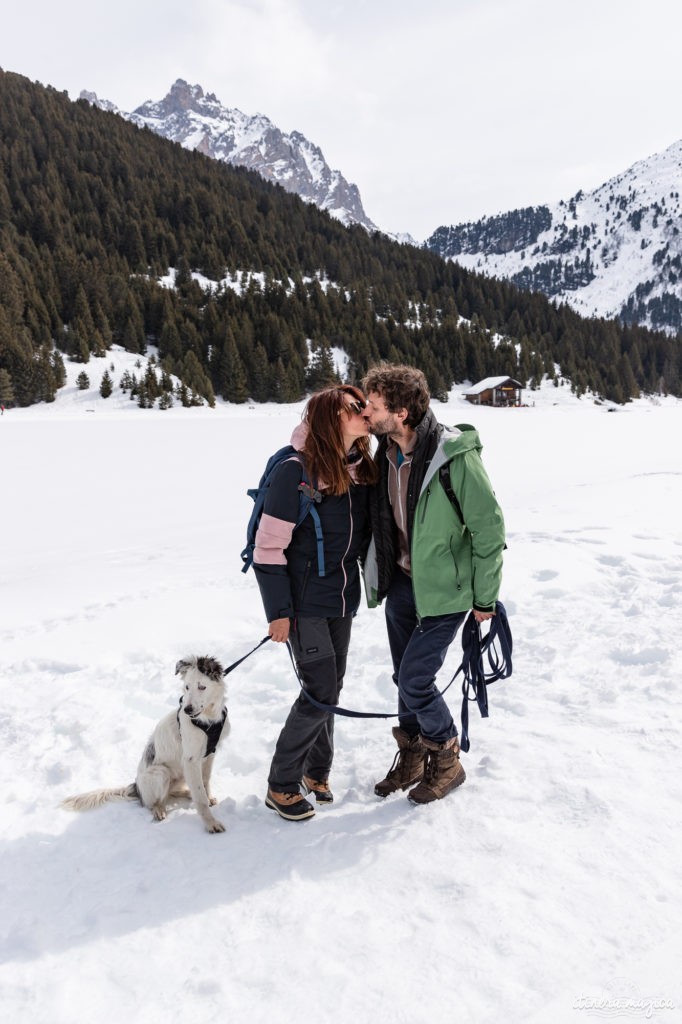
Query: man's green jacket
[[455, 565]]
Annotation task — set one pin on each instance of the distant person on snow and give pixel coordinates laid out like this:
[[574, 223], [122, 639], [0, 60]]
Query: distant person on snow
[[432, 561], [315, 611]]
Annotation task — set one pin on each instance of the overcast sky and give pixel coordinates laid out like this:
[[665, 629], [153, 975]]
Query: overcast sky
[[439, 110]]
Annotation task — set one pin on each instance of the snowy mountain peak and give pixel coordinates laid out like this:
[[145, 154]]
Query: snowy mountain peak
[[616, 251], [198, 120], [92, 98]]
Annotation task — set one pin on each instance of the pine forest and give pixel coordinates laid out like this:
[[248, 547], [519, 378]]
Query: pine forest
[[110, 234]]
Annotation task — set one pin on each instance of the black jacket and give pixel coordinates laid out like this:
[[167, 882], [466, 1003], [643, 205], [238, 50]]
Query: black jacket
[[428, 433], [289, 582]]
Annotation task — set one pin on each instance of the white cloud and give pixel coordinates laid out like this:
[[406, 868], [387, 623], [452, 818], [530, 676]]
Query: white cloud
[[439, 111]]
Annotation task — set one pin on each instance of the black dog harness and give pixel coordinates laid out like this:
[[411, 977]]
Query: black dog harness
[[213, 730]]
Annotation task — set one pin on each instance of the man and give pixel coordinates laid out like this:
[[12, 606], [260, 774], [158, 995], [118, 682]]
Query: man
[[436, 557]]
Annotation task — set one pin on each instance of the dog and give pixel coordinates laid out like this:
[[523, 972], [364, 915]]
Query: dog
[[178, 757]]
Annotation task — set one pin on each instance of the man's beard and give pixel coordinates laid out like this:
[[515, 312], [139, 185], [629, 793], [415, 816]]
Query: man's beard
[[383, 427]]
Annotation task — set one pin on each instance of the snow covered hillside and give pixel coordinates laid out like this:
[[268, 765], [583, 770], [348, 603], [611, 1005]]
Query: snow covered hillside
[[613, 252], [542, 889]]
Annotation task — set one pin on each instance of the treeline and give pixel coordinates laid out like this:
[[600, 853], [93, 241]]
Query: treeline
[[94, 212]]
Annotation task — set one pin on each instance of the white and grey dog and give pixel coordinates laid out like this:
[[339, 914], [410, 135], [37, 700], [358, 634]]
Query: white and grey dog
[[180, 752]]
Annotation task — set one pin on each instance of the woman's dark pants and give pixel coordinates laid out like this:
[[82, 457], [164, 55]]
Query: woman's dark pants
[[306, 743]]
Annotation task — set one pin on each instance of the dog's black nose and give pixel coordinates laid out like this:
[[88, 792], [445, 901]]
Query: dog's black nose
[[188, 709]]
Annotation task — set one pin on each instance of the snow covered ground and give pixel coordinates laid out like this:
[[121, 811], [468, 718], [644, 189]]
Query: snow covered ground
[[546, 889]]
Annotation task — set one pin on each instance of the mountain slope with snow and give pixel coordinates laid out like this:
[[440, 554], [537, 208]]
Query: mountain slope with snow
[[197, 120], [613, 252]]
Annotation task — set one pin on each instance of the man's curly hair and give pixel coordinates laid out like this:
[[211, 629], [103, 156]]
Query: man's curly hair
[[401, 387]]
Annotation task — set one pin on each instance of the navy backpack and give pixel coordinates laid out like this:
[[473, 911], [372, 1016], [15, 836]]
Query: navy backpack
[[308, 495]]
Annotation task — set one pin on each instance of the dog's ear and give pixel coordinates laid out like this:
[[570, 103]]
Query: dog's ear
[[211, 668], [182, 666]]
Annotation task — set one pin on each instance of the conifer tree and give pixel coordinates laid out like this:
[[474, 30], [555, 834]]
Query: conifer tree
[[233, 384], [259, 376], [106, 386], [82, 381], [83, 323], [58, 368], [6, 389], [321, 371], [151, 383], [92, 214], [183, 395], [144, 399], [44, 381]]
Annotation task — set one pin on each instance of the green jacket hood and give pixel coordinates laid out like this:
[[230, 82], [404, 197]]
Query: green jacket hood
[[454, 441], [461, 438]]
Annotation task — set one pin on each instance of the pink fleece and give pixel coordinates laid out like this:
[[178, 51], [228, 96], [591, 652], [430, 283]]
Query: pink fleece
[[272, 538]]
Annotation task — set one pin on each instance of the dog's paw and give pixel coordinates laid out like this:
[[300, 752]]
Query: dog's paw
[[215, 826], [159, 813], [212, 801]]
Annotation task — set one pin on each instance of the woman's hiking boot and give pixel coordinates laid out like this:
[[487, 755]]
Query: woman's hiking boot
[[408, 764], [442, 771], [323, 794], [291, 806]]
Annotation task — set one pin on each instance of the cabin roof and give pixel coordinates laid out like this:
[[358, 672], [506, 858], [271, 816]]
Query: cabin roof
[[491, 382]]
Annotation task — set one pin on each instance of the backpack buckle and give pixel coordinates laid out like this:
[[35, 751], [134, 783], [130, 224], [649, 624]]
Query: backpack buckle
[[309, 491]]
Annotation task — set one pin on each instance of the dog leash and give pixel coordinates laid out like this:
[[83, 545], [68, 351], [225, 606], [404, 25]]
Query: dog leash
[[240, 660], [496, 647], [333, 709]]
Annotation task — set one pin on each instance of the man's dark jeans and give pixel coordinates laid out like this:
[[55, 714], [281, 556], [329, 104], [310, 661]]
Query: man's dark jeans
[[418, 649]]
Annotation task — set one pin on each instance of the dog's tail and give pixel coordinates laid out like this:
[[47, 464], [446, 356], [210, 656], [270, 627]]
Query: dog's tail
[[97, 797]]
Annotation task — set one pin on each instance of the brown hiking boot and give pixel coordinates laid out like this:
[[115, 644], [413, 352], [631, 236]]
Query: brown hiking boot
[[442, 772], [408, 764], [323, 794], [291, 806]]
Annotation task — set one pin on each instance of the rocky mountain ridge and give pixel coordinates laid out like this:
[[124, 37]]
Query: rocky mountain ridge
[[612, 252], [198, 120]]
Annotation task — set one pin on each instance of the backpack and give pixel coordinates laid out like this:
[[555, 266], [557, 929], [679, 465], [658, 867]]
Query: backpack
[[308, 496]]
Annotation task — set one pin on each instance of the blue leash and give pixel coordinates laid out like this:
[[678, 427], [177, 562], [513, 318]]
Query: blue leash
[[332, 709], [240, 660], [496, 647]]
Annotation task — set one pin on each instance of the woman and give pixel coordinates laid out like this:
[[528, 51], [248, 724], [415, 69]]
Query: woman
[[314, 612]]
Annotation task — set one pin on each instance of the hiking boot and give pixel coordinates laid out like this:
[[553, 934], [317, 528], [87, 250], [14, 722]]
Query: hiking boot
[[408, 764], [323, 794], [291, 806], [442, 772]]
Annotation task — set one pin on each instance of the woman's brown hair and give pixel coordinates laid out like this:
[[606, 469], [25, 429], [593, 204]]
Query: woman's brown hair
[[324, 450]]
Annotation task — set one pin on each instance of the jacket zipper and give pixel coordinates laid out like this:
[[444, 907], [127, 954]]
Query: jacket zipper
[[343, 560], [305, 579], [426, 501]]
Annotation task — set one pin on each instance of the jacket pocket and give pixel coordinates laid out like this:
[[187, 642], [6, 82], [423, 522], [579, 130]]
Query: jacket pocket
[[458, 581], [425, 505]]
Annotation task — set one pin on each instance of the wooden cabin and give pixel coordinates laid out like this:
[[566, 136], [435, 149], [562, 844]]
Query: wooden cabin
[[498, 391]]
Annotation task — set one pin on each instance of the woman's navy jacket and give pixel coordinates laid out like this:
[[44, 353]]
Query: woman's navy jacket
[[285, 559]]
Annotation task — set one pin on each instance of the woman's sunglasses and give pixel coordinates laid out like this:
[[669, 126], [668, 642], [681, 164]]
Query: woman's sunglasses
[[354, 408]]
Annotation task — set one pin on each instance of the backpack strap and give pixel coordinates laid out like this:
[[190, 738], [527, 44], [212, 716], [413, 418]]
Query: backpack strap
[[446, 484], [313, 496]]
